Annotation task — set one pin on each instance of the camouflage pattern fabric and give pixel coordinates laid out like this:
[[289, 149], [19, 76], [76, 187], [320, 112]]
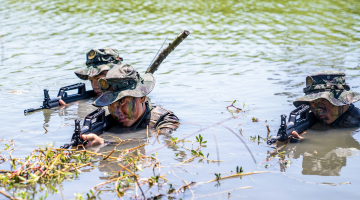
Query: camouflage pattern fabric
[[121, 81], [158, 118], [330, 85], [97, 61], [351, 118]]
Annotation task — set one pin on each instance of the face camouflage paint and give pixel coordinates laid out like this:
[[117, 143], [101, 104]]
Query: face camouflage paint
[[131, 105], [325, 111], [127, 110]]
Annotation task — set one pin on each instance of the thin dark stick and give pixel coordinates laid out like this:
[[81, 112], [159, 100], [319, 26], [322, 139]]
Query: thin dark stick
[[157, 53], [140, 187], [166, 51], [217, 148], [241, 141]]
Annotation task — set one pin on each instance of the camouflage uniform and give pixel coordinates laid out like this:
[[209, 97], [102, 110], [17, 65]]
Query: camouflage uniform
[[97, 61], [121, 81], [331, 85], [158, 118]]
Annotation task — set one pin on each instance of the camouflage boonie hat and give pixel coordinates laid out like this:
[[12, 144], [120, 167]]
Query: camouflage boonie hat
[[330, 85], [97, 61], [121, 81]]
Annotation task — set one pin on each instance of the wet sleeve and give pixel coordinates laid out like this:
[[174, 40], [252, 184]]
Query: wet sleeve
[[168, 123]]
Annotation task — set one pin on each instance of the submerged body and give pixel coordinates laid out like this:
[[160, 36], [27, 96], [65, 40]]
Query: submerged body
[[330, 100], [98, 63], [349, 118], [124, 92]]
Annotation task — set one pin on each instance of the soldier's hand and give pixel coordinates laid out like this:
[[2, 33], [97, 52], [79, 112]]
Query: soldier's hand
[[296, 135], [92, 139], [62, 103]]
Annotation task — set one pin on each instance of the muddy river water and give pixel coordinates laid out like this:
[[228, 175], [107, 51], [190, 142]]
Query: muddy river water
[[256, 52]]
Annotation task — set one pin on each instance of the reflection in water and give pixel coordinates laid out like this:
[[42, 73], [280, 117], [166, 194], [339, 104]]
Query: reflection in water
[[254, 51], [324, 153], [72, 111]]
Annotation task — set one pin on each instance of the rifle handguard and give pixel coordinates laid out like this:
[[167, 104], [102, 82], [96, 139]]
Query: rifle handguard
[[62, 95], [89, 125], [298, 121]]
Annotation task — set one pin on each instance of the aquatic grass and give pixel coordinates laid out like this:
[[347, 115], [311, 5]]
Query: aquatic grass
[[50, 166], [66, 164], [218, 176], [47, 167]]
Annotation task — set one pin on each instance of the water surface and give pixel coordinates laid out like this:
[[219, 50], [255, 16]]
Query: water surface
[[256, 52]]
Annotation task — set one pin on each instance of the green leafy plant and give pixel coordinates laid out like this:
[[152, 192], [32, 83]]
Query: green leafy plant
[[239, 169], [253, 138], [195, 153], [153, 180], [171, 189], [233, 102], [217, 176], [173, 140], [92, 195], [79, 196], [200, 139]]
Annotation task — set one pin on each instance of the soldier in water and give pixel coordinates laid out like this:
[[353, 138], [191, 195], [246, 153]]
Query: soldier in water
[[98, 63], [331, 101], [124, 91]]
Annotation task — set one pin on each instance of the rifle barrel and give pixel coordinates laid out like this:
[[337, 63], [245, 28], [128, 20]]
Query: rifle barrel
[[32, 110]]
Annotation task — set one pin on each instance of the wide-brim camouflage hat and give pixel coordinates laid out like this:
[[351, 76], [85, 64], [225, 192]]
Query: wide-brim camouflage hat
[[97, 61], [329, 85], [121, 81]]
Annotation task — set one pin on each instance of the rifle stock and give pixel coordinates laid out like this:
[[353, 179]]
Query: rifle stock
[[298, 121], [63, 95]]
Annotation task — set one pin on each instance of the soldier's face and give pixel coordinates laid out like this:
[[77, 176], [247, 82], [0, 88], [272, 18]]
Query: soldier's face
[[95, 84], [128, 110], [325, 111]]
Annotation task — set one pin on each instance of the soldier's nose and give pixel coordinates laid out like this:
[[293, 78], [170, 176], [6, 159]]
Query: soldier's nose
[[96, 85], [320, 110], [118, 112]]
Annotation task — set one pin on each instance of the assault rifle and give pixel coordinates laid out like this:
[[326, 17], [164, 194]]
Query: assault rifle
[[93, 122], [298, 121], [63, 95]]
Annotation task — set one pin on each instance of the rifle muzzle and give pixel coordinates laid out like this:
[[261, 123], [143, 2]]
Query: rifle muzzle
[[32, 110], [273, 140]]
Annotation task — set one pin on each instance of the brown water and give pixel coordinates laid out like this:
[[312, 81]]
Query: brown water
[[257, 52]]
